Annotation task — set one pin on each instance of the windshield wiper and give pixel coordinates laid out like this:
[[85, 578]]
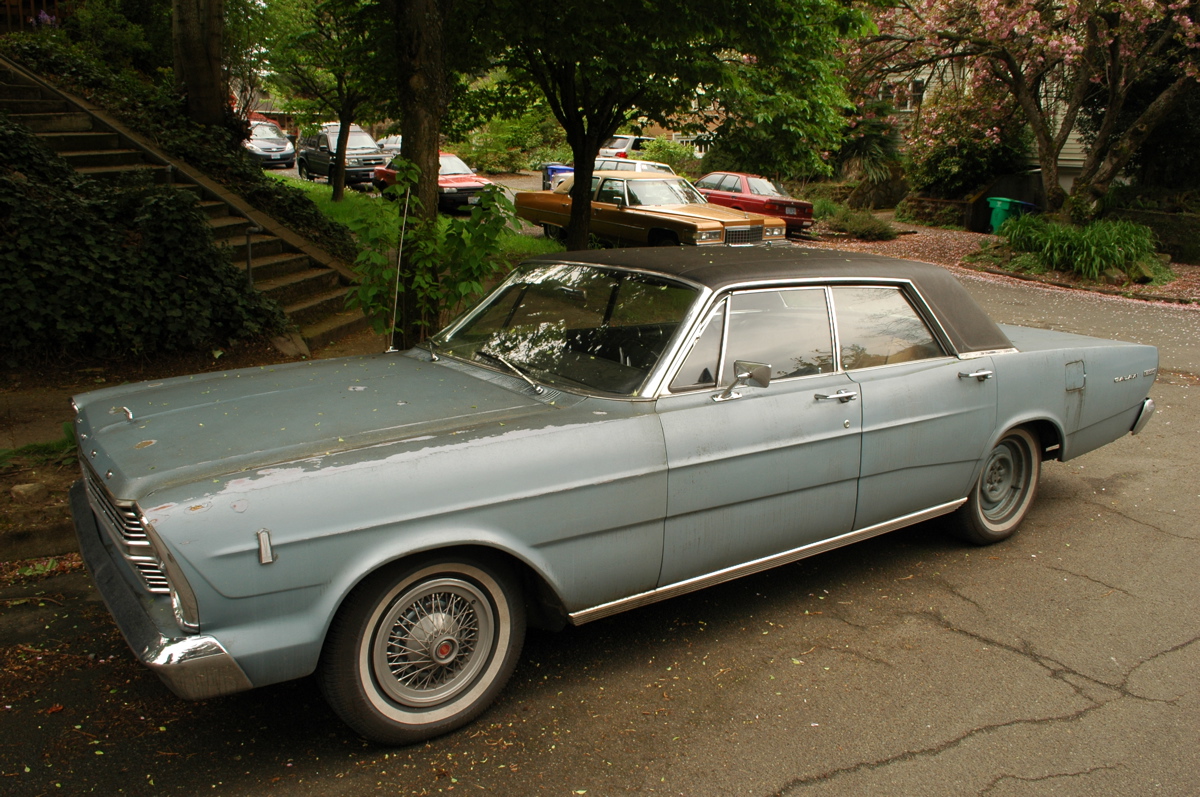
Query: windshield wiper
[[491, 355]]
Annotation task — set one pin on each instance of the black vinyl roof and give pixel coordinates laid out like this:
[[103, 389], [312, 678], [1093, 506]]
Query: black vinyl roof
[[719, 267]]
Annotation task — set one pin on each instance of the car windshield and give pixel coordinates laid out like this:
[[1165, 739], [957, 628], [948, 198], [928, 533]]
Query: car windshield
[[359, 139], [664, 192], [263, 132], [617, 142], [577, 327], [452, 164], [763, 187]]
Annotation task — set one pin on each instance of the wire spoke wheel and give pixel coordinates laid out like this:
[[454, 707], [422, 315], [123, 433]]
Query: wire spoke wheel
[[423, 647], [433, 642]]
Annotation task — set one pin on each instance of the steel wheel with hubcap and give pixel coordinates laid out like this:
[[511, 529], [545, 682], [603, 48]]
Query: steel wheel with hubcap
[[1005, 490], [420, 650]]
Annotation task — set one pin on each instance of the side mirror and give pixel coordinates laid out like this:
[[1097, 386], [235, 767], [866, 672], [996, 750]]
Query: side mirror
[[747, 374]]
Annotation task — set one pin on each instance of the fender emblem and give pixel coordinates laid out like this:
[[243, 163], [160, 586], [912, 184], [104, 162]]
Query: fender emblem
[[1125, 378]]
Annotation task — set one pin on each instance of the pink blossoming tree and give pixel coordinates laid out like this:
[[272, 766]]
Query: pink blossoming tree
[[1050, 56]]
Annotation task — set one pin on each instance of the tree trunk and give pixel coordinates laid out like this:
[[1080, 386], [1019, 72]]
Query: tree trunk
[[337, 161], [1104, 165], [197, 29], [424, 93]]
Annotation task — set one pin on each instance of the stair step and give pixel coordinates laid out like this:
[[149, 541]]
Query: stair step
[[116, 172], [312, 310], [76, 142], [19, 91], [260, 246], [333, 327], [268, 267], [230, 226], [54, 122], [292, 289], [213, 208], [36, 106], [103, 157]]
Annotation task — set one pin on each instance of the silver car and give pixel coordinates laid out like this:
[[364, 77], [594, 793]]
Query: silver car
[[605, 430]]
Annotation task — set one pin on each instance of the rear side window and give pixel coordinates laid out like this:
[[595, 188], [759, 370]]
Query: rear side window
[[731, 183], [879, 326]]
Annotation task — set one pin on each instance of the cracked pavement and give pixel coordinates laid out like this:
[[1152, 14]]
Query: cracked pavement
[[1062, 662]]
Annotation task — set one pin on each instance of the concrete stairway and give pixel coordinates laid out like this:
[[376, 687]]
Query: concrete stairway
[[309, 283]]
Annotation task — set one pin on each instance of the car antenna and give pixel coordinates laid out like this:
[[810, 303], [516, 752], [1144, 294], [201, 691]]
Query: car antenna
[[396, 288]]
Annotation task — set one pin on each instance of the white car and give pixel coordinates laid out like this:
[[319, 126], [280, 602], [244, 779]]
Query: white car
[[613, 165]]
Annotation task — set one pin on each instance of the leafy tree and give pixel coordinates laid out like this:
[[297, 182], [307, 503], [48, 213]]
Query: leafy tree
[[671, 64], [1051, 55], [322, 66], [962, 138]]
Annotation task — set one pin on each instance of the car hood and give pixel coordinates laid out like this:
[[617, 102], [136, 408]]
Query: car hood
[[143, 437], [699, 212]]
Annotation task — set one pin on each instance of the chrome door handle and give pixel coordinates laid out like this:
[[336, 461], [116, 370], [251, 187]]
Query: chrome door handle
[[980, 375], [842, 396]]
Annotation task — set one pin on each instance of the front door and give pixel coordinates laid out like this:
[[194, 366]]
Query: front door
[[760, 470]]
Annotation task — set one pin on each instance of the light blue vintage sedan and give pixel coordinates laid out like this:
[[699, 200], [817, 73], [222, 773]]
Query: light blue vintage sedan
[[605, 430]]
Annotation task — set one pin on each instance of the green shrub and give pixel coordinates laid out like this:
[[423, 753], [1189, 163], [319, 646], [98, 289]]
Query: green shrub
[[861, 225], [1090, 251], [680, 157], [824, 208], [113, 269], [503, 146]]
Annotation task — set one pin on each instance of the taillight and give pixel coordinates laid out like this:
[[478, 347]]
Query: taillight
[[622, 154]]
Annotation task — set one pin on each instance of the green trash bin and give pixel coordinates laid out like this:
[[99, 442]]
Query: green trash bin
[[1004, 209]]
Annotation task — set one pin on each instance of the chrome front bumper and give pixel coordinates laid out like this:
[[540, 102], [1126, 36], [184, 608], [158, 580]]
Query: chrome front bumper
[[194, 667]]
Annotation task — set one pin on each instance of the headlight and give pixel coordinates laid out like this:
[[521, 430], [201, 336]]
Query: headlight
[[448, 190], [253, 147], [773, 232], [708, 236], [183, 600]]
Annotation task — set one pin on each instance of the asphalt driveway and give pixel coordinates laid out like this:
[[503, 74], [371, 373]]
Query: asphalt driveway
[[1062, 662]]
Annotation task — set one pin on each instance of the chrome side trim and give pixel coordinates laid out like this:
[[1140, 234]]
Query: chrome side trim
[[1144, 416], [758, 565], [192, 666]]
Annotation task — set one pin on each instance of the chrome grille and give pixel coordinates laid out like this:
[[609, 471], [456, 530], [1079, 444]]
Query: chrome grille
[[123, 524], [743, 235]]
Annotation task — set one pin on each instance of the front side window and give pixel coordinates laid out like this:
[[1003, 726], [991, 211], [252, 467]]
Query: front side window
[[787, 329], [611, 191], [878, 326], [579, 327]]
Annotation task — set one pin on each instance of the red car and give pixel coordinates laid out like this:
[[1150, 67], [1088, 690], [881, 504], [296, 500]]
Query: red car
[[458, 184], [755, 194]]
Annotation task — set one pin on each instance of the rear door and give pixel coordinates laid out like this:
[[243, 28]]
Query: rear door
[[926, 415]]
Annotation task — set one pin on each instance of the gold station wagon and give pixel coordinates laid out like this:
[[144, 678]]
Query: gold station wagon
[[649, 208]]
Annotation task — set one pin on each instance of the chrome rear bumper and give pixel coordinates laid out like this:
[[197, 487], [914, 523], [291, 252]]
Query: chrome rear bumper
[[1144, 416], [192, 666]]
